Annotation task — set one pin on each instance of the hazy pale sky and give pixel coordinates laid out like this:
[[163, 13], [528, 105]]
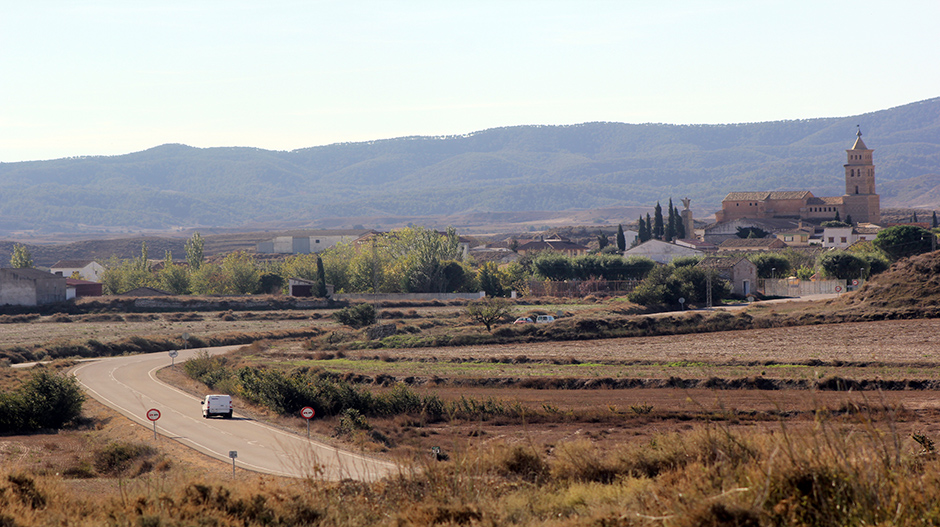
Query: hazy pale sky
[[106, 77]]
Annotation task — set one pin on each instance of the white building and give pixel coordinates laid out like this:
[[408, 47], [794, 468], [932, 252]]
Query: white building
[[87, 269], [315, 242], [660, 251]]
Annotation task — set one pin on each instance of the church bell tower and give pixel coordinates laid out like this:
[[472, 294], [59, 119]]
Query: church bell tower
[[860, 200]]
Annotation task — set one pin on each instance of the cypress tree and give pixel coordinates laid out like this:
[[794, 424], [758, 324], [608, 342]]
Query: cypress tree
[[680, 226], [670, 233], [622, 240], [641, 230], [935, 225], [658, 227], [837, 216], [321, 279], [649, 227]]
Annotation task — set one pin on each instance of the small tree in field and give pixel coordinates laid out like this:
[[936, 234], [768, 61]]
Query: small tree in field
[[21, 258], [489, 310]]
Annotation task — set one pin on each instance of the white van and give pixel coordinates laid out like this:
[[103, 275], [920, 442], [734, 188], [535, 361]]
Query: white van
[[217, 405]]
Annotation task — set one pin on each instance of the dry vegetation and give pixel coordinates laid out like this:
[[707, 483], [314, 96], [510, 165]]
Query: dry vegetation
[[744, 427]]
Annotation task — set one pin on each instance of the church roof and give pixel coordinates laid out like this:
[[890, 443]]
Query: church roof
[[825, 200], [859, 144], [765, 195]]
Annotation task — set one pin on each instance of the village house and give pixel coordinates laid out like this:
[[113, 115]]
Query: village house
[[843, 237], [660, 251], [75, 288], [558, 245], [751, 244], [87, 269], [30, 287], [740, 272]]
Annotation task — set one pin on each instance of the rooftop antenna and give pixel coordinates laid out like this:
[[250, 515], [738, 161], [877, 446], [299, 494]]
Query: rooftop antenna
[[859, 133]]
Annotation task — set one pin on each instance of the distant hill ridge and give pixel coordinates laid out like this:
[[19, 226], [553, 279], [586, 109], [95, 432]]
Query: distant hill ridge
[[551, 168]]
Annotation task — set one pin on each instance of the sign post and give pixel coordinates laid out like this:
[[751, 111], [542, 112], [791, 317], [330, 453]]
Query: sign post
[[307, 413], [153, 414], [173, 355], [233, 454]]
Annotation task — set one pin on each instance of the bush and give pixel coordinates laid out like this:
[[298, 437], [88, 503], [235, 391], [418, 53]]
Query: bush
[[47, 400], [358, 316]]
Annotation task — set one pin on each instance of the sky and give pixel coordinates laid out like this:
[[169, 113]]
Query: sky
[[109, 77]]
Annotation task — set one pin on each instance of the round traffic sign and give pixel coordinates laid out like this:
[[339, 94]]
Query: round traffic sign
[[153, 414], [174, 353], [307, 412]]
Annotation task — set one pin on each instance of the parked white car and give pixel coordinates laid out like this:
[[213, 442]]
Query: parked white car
[[544, 319], [217, 405]]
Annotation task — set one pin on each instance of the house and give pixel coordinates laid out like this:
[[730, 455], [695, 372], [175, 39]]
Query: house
[[302, 287], [75, 288], [660, 251], [87, 269], [751, 244], [312, 242], [842, 237], [557, 245], [741, 272], [698, 244], [718, 232], [30, 287], [798, 237], [498, 255]]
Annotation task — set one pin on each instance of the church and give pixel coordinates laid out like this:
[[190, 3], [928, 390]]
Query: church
[[860, 202]]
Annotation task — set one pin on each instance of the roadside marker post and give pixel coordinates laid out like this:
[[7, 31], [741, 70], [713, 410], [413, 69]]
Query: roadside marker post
[[233, 454], [307, 413], [153, 414]]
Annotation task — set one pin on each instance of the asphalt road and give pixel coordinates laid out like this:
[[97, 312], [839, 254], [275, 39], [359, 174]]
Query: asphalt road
[[129, 385]]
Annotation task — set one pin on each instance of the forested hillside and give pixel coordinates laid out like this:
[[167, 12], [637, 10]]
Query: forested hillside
[[582, 166]]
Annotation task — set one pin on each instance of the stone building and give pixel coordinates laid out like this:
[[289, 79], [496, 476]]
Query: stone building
[[860, 201]]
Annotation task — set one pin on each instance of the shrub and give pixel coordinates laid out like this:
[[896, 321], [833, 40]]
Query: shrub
[[357, 316], [118, 457]]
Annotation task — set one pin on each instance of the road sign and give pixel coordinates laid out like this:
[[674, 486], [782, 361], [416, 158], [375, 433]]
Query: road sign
[[854, 282], [307, 412], [838, 289], [233, 454], [174, 353], [153, 414]]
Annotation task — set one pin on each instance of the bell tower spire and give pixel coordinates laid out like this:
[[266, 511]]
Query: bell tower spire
[[861, 200]]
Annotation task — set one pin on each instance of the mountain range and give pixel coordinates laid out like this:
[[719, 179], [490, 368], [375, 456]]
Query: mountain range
[[521, 168]]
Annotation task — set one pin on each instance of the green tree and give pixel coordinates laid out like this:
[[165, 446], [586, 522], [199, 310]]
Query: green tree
[[902, 241], [173, 278], [649, 227], [488, 311], [933, 221], [240, 274], [194, 251], [207, 280], [659, 229], [602, 241], [21, 258], [621, 238], [843, 265], [321, 279], [491, 280], [751, 232], [553, 266], [670, 232], [770, 265]]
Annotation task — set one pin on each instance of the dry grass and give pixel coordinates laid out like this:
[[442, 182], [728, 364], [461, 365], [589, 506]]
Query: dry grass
[[857, 470]]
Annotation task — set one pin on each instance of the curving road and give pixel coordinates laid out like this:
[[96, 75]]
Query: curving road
[[129, 385]]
